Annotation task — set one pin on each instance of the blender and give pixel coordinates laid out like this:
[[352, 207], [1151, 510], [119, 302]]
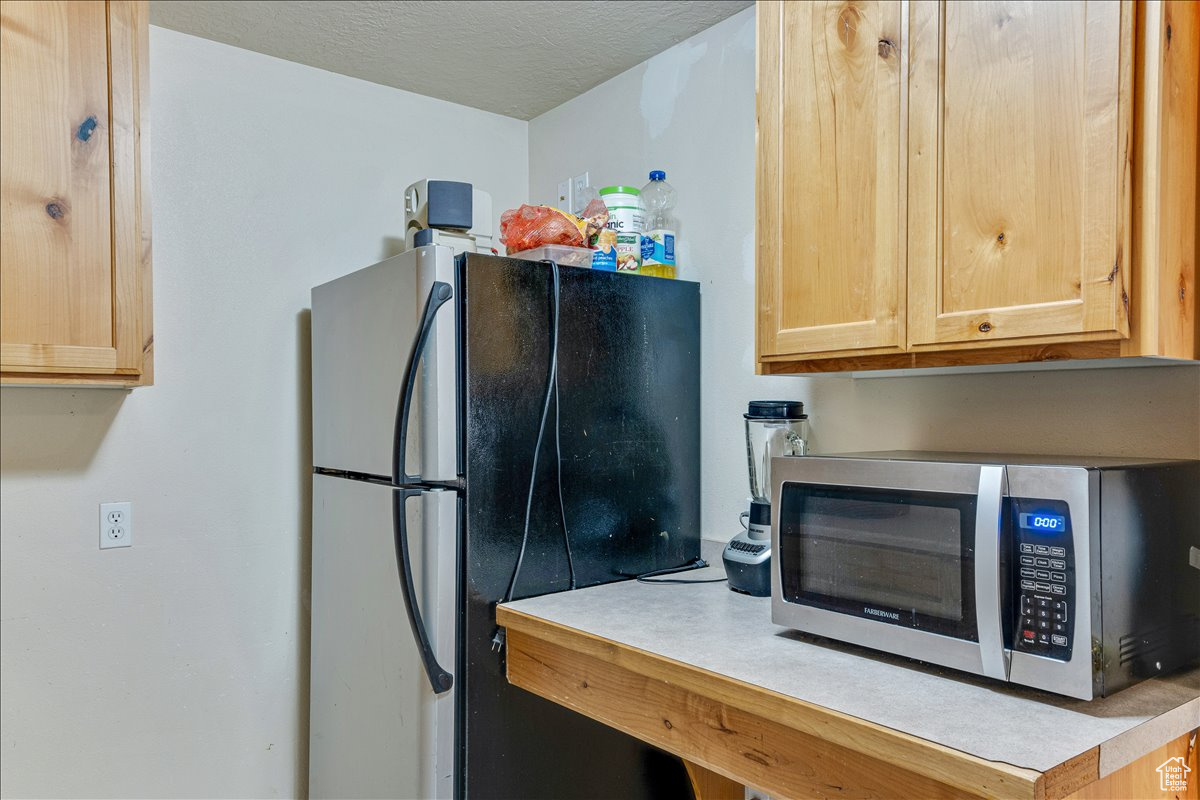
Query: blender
[[773, 428]]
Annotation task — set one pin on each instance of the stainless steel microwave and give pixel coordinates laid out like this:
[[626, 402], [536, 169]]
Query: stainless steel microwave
[[1079, 576]]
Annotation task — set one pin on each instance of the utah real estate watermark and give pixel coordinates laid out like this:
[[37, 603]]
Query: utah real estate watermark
[[1173, 775]]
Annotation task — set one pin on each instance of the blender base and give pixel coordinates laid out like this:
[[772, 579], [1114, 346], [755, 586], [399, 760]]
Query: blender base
[[748, 565]]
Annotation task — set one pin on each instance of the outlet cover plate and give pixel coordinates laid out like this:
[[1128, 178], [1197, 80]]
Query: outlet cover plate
[[578, 184], [116, 525]]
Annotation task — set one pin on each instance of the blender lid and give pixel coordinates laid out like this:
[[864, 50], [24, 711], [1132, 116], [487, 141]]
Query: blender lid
[[775, 409]]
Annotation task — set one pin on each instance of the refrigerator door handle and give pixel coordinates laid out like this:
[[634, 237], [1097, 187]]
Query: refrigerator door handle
[[439, 679], [439, 293]]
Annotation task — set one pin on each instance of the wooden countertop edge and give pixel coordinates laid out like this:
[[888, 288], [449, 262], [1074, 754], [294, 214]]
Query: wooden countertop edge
[[921, 756]]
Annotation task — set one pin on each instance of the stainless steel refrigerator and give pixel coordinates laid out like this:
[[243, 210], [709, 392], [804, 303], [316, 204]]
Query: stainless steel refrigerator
[[435, 377]]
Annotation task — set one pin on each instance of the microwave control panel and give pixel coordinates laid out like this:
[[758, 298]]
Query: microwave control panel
[[1043, 577]]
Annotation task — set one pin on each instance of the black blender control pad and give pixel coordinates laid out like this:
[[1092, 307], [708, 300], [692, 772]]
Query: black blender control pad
[[1044, 577], [746, 547]]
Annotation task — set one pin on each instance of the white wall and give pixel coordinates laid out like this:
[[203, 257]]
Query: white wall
[[179, 667], [690, 111]]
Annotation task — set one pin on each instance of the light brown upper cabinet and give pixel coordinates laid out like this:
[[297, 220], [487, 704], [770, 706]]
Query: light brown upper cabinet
[[1018, 183], [944, 183], [75, 305], [829, 201]]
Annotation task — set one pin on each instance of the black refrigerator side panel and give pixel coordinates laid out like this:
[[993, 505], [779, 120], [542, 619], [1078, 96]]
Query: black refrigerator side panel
[[629, 427]]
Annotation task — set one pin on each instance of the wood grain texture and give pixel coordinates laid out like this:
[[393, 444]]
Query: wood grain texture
[[38, 357], [747, 733], [843, 361], [55, 246], [830, 166], [719, 736], [924, 165], [849, 362], [1036, 341], [871, 351], [709, 785], [1067, 777], [1124, 209], [1193, 759], [1165, 247], [1141, 780], [78, 380], [1017, 194], [132, 309], [1147, 152], [768, 131], [75, 273]]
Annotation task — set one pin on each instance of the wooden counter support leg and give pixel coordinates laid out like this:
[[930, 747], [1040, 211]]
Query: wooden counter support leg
[[709, 785]]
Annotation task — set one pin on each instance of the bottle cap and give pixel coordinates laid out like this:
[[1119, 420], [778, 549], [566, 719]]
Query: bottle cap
[[658, 175]]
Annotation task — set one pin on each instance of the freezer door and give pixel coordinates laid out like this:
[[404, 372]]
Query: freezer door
[[363, 329], [375, 727]]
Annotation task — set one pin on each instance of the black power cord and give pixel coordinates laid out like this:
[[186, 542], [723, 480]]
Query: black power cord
[[695, 563], [562, 503], [551, 390]]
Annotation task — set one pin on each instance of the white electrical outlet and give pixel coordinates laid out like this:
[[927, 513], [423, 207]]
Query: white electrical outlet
[[578, 184], [564, 195], [116, 525]]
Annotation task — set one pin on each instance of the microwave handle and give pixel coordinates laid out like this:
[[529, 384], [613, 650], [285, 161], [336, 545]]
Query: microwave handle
[[989, 539]]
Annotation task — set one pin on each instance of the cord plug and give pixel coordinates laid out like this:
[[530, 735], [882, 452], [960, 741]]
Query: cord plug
[[498, 640]]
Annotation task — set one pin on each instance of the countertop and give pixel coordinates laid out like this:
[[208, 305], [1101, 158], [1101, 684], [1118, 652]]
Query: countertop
[[709, 627]]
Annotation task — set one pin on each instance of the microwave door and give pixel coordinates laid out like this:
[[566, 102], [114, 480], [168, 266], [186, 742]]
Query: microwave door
[[904, 557]]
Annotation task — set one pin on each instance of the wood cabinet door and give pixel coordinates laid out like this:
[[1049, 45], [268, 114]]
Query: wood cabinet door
[[1019, 171], [830, 252], [74, 260]]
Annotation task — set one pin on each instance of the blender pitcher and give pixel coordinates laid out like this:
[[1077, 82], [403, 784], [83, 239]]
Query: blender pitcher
[[773, 428]]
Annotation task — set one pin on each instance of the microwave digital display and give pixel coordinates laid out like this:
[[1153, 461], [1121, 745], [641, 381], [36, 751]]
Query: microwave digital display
[[1050, 523]]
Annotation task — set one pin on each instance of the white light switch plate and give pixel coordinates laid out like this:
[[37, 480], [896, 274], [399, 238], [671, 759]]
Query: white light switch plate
[[116, 525]]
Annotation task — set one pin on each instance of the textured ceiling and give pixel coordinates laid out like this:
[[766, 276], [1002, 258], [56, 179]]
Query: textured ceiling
[[514, 58]]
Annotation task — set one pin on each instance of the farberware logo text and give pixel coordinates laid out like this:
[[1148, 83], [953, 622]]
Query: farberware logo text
[[875, 612]]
